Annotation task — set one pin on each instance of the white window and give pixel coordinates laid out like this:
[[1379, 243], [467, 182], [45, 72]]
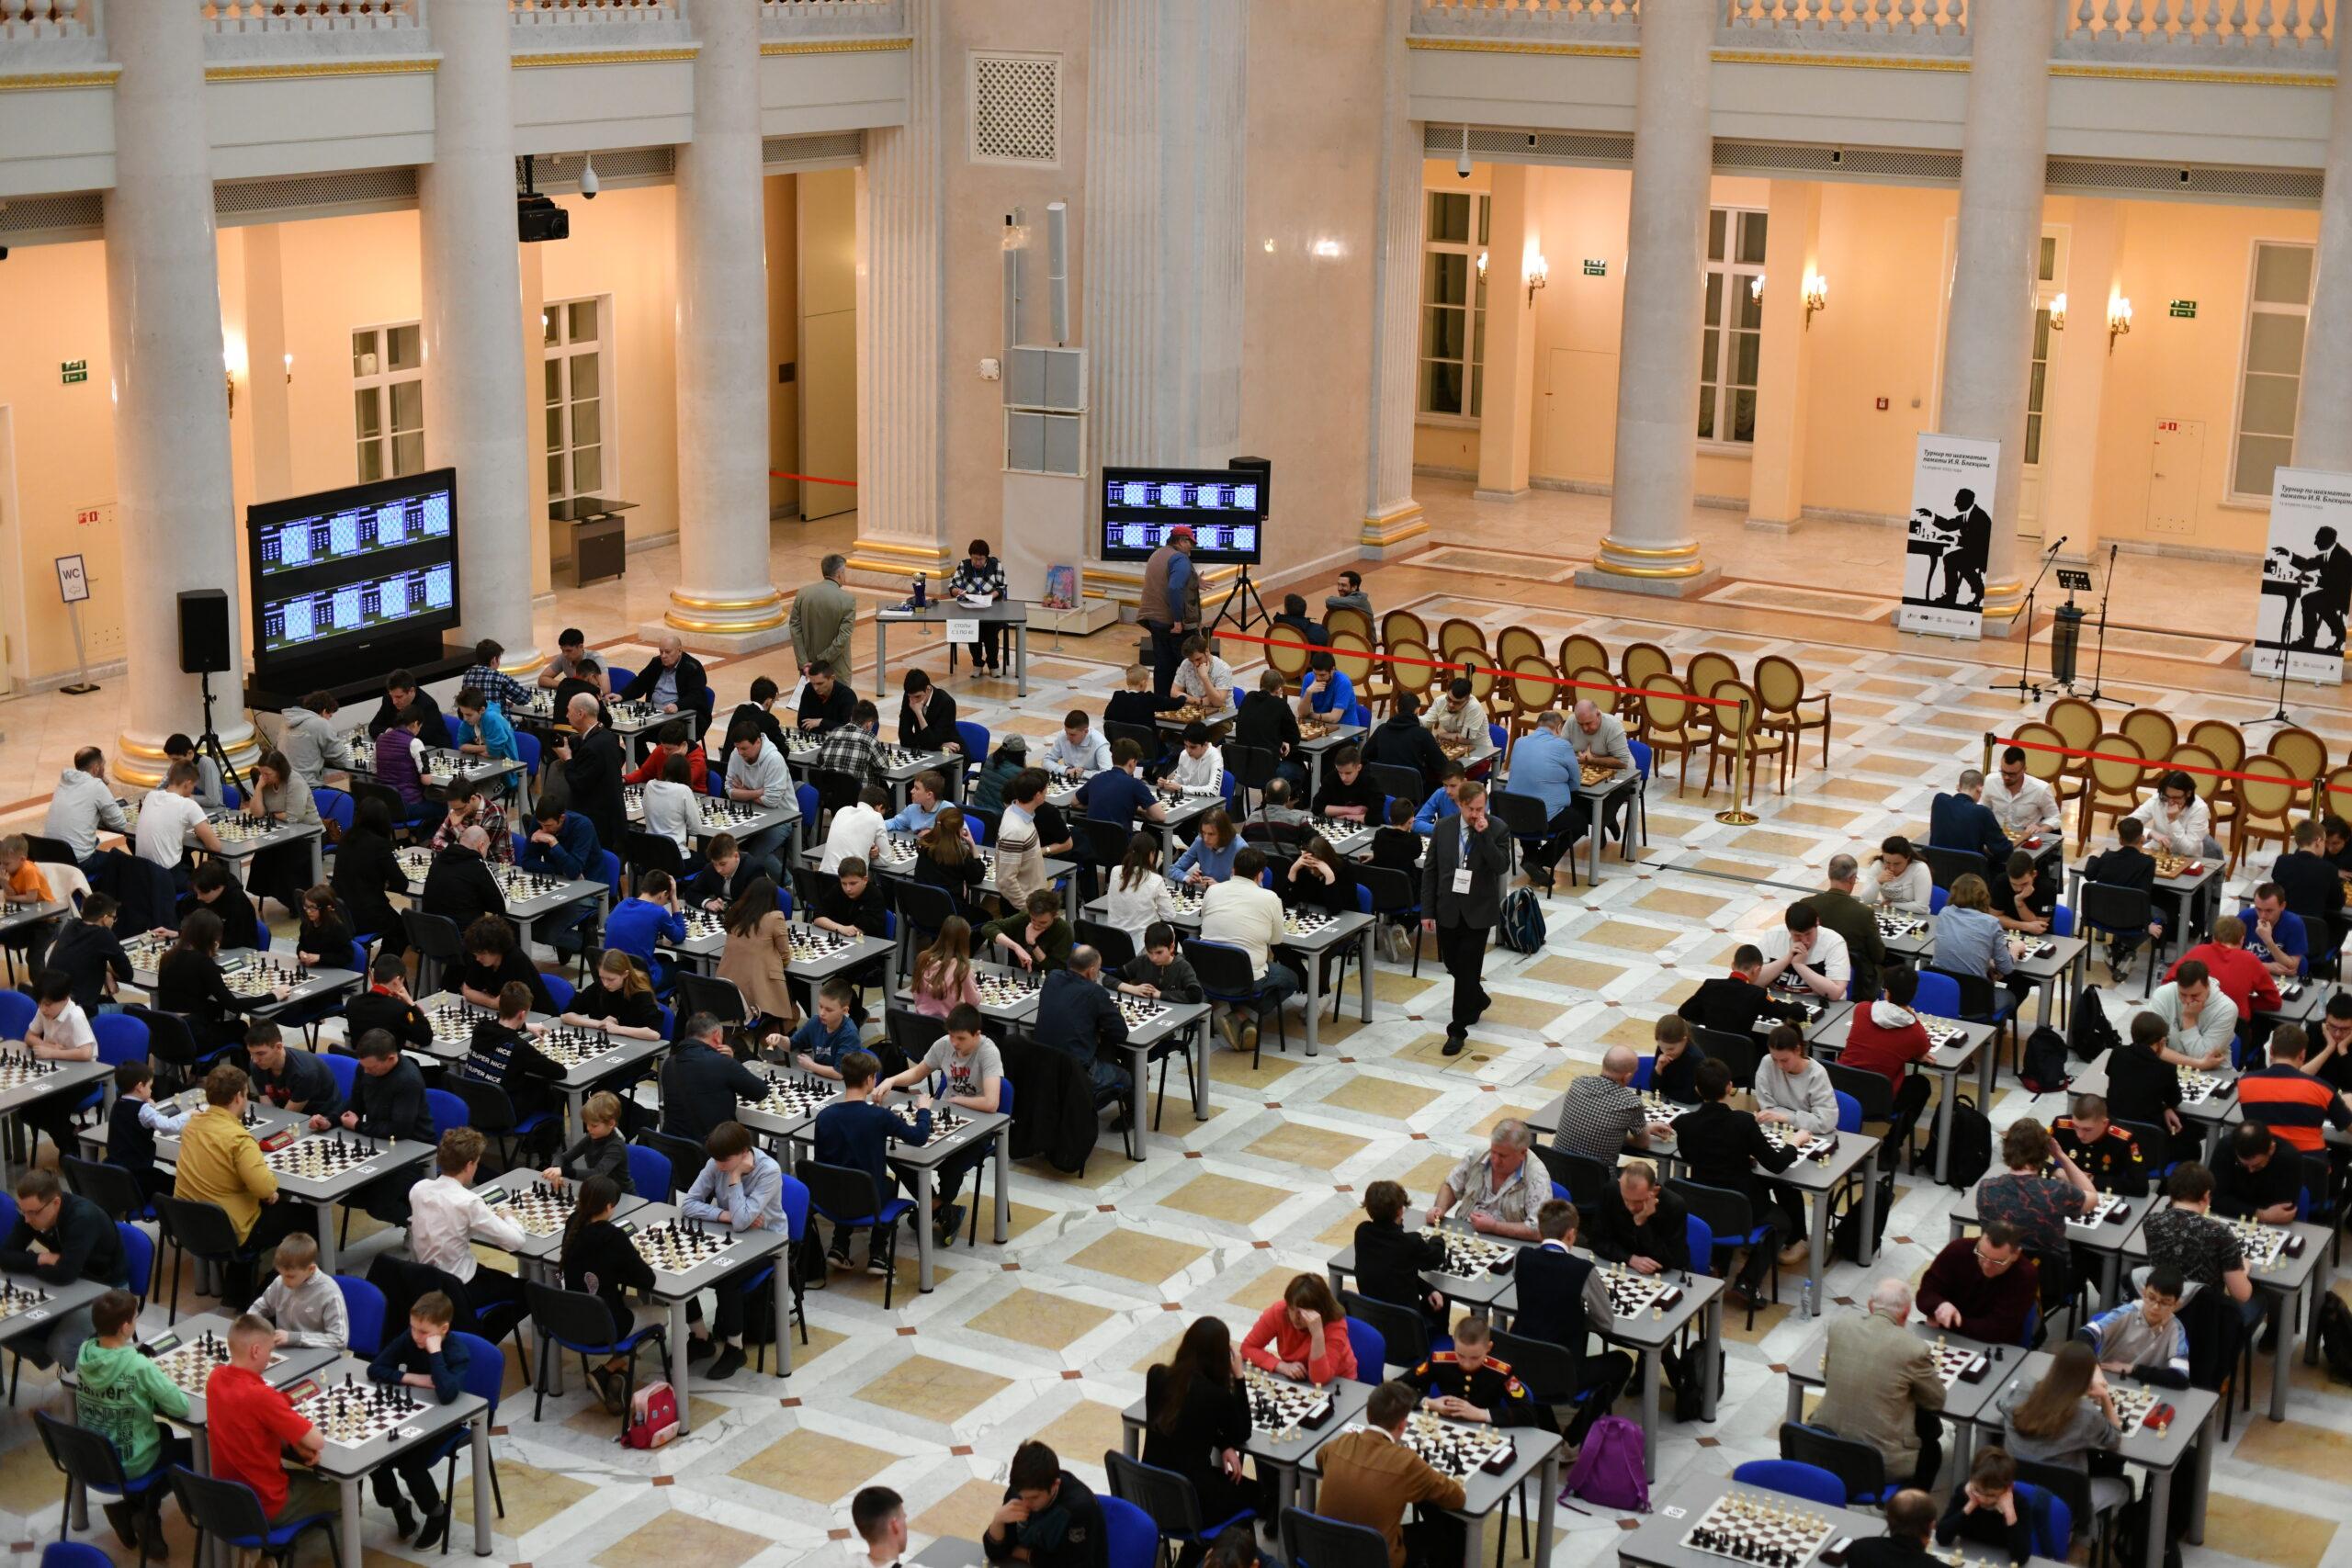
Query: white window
[[387, 399], [576, 383], [2279, 306], [1454, 304], [1732, 347]]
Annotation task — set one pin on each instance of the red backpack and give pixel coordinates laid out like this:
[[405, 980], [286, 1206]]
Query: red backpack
[[653, 1416]]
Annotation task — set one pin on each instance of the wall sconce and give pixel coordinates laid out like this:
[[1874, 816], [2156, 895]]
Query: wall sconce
[[2058, 313], [1755, 289], [1482, 266], [1817, 297], [1539, 275], [233, 365], [289, 369], [2118, 320], [1328, 249]]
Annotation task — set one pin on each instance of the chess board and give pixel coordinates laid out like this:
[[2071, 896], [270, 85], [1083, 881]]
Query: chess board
[[322, 1156], [702, 924], [1596, 777], [810, 943], [2169, 865], [351, 1413], [680, 1246], [441, 766], [2263, 1245], [1304, 922], [1959, 1363], [262, 975], [889, 755], [2133, 1406], [2197, 1085], [2025, 948], [1457, 1450], [1188, 899], [639, 713], [16, 1298], [570, 1046], [541, 1209], [453, 1023], [146, 950], [240, 827], [1005, 990], [1467, 1256], [1139, 1011], [415, 862], [1631, 1294], [1281, 1407], [2105, 1211], [1316, 728], [1942, 1032], [1817, 1148], [519, 886], [944, 1124], [20, 1068], [190, 1363], [801, 1095], [1456, 750], [1658, 1107], [898, 851], [718, 814], [1188, 713], [1901, 928], [1773, 1531]]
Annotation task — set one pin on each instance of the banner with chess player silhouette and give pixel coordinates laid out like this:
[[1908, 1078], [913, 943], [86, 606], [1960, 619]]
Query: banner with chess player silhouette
[[2306, 577], [1953, 507]]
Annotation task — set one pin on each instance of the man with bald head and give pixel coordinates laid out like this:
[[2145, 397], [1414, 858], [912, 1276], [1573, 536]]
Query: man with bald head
[[592, 767], [1854, 920], [1602, 1115], [1880, 1386], [672, 680]]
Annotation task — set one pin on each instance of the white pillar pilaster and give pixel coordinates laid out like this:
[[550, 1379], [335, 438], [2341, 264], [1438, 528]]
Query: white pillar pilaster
[[1391, 518], [1988, 340], [474, 391], [2322, 427], [2079, 362], [901, 316], [1785, 375], [1649, 548], [1507, 411], [724, 597], [174, 496]]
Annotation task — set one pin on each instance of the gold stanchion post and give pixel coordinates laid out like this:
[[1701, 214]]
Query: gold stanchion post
[[1736, 815]]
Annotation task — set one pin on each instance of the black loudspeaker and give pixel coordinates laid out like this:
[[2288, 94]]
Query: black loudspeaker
[[2065, 643], [204, 630]]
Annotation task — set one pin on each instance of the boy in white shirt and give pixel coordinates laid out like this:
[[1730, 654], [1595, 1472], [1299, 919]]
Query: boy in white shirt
[[168, 815], [1199, 765], [1241, 914], [446, 1216], [856, 830], [59, 1031]]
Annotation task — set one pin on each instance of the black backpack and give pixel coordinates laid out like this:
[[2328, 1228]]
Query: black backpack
[[1972, 1146], [1846, 1227], [2090, 1033], [2043, 1068], [2336, 1337]]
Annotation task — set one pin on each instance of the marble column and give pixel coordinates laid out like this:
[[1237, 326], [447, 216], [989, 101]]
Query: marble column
[[474, 390], [174, 496], [2078, 368], [2323, 428], [724, 597], [1391, 518], [1165, 126], [1784, 374], [901, 329], [1988, 338], [1649, 548], [1507, 411]]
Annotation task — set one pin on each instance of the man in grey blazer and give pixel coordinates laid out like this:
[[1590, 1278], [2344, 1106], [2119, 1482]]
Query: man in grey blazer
[[1462, 896]]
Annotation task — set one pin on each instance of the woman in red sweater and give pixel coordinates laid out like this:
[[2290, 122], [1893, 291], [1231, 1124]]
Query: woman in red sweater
[[1305, 1335], [1887, 1036]]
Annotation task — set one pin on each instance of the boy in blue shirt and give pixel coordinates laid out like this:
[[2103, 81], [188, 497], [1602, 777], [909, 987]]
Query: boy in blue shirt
[[638, 924], [424, 1357], [482, 729], [741, 1187], [562, 844], [1325, 689], [856, 1132], [1443, 801], [2276, 935], [925, 795], [1118, 794], [829, 1035]]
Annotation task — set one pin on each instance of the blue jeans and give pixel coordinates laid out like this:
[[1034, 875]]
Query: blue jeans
[[764, 849], [1281, 984]]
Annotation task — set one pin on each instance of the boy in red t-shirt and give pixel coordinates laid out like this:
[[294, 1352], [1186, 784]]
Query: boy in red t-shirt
[[251, 1423]]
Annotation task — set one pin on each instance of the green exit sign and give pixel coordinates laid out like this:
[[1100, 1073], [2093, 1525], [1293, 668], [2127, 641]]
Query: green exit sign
[[1595, 268], [2185, 309], [72, 370]]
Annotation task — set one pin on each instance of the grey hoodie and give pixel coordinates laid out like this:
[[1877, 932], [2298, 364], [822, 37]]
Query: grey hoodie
[[83, 805]]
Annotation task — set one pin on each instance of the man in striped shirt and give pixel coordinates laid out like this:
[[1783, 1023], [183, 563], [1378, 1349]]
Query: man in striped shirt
[[2290, 1101]]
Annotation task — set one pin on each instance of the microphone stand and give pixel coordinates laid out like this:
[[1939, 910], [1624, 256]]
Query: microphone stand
[[2024, 685], [2099, 669]]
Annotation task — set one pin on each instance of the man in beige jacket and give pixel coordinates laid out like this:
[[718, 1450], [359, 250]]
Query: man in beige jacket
[[823, 616], [1880, 1387]]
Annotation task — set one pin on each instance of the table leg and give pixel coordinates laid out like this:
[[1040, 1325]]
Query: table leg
[[1312, 964], [1130, 1437], [1197, 1067], [1988, 1066], [2111, 1266], [1364, 971], [924, 1177], [2201, 1479], [784, 1264], [881, 658], [1943, 1122], [2281, 1354], [1003, 1191], [351, 1551], [573, 1095], [2159, 1516], [678, 1342], [1711, 1345], [325, 1212], [481, 1445], [1649, 1410], [1793, 1408], [2319, 1296], [1285, 1487], [1870, 1213], [1546, 1501], [319, 862], [1818, 1244], [1473, 1538], [1020, 655], [1138, 1069]]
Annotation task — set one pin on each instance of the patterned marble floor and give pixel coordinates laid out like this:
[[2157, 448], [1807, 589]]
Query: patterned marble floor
[[1049, 1335]]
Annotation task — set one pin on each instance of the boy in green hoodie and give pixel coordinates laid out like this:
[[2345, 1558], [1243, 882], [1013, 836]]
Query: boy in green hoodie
[[123, 1396]]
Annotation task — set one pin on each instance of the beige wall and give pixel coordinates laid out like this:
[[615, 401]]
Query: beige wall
[[827, 215], [780, 237]]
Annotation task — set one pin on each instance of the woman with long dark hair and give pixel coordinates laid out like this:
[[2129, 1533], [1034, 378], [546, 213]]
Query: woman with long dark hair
[[1196, 1418], [942, 980], [188, 982], [944, 858], [367, 870], [600, 1259]]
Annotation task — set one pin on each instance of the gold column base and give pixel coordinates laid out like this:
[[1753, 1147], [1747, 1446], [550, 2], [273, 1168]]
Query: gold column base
[[135, 762], [2004, 599], [897, 559], [725, 617], [1622, 559], [1385, 531]]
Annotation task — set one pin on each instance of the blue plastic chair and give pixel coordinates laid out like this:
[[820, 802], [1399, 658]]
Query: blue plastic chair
[[1795, 1478], [1229, 783], [16, 1011], [485, 1378], [1938, 995], [345, 1070], [1358, 715], [1133, 1539], [609, 867], [336, 806], [649, 1173], [2052, 1522], [559, 990], [138, 1258], [228, 1513], [73, 1554], [1936, 900], [91, 1458], [1642, 1070], [363, 1303], [1369, 1346], [2062, 921], [1698, 1240], [1849, 1111], [447, 1110], [975, 739], [804, 797], [552, 1309], [121, 1038]]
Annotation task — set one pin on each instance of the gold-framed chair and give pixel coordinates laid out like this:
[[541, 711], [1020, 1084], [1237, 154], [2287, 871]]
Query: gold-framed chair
[[1515, 643], [1640, 665], [2225, 741], [1412, 669], [1402, 626], [1578, 651], [1288, 660], [1596, 693], [2154, 730], [2304, 753], [1780, 686], [2336, 793], [1736, 712], [2266, 798], [1351, 653], [1533, 687], [2052, 768], [2078, 723], [1347, 617], [2116, 778], [1711, 670], [1671, 726]]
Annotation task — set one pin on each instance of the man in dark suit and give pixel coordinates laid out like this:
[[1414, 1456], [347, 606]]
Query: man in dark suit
[[1562, 1297], [460, 885], [1965, 559], [2330, 593], [592, 766], [672, 680], [1962, 821], [1854, 920], [1462, 897], [1910, 1523]]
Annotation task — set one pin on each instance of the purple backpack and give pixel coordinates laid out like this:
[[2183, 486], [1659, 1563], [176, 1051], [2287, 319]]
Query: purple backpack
[[1610, 1471]]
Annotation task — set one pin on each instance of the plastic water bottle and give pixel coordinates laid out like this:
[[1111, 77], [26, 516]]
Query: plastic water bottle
[[1808, 1295]]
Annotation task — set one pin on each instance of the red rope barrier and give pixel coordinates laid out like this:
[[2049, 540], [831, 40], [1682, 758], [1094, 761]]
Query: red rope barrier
[[809, 478], [1488, 669], [2151, 763]]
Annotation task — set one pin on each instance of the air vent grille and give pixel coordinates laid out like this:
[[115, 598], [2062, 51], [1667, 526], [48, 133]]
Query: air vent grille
[[1016, 108]]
